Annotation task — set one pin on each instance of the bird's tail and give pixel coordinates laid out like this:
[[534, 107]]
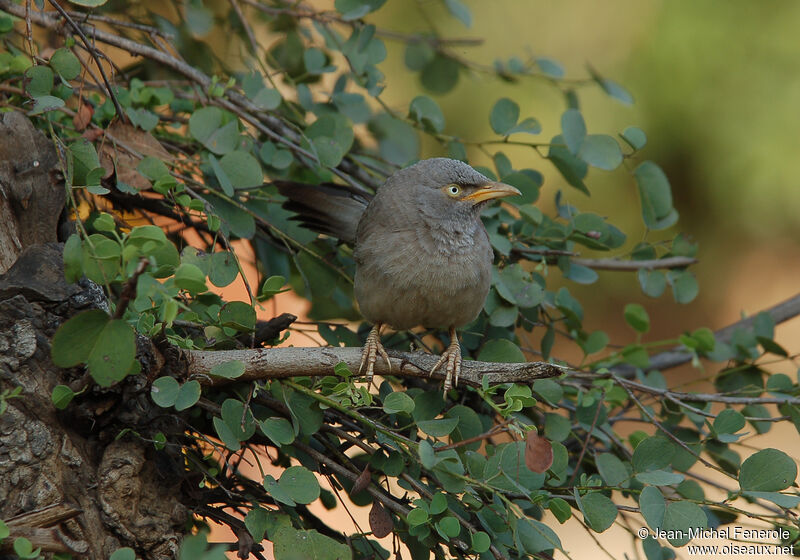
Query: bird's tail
[[327, 208]]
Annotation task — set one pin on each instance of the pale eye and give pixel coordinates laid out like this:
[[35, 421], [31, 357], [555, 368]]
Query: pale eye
[[453, 190]]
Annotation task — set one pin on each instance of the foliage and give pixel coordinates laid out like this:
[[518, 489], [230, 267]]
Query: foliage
[[191, 139]]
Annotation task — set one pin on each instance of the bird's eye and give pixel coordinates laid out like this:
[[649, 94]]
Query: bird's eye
[[453, 190]]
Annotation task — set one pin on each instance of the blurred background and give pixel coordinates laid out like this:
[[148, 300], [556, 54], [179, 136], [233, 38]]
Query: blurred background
[[716, 88]]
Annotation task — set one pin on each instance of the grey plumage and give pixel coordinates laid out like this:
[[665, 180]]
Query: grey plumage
[[422, 254]]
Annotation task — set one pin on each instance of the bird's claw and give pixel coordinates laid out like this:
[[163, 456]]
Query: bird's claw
[[451, 357], [369, 355]]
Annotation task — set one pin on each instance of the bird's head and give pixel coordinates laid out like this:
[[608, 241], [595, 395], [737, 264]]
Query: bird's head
[[447, 188]]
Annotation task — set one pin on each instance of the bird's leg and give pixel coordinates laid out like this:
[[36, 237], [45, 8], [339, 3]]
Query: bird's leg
[[373, 347], [451, 356]]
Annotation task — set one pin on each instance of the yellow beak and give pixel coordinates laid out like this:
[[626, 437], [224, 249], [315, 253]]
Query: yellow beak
[[490, 191]]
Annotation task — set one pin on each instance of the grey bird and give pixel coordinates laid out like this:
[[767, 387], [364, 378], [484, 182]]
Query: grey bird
[[422, 255]]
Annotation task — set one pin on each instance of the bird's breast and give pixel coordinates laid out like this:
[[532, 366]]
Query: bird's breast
[[423, 276]]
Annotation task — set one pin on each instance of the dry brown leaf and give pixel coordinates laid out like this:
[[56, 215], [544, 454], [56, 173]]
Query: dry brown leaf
[[379, 520], [362, 481], [83, 116], [116, 154], [538, 452]]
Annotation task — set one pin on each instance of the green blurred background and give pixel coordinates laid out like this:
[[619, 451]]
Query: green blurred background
[[716, 87]]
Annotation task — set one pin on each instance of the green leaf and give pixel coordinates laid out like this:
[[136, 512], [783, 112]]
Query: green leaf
[[560, 508], [440, 75], [635, 137], [573, 170], [653, 282], [536, 537], [601, 151], [88, 3], [273, 489], [398, 141], [556, 427], [199, 19], [123, 553], [599, 511], [257, 521], [550, 67], [292, 544], [107, 346], [515, 286], [660, 478], [438, 428], [652, 506], [205, 125], [38, 80], [222, 268], [398, 402], [459, 11], [636, 316], [417, 516], [74, 340], [526, 183], [728, 421], [228, 370], [62, 396], [84, 160], [527, 125], [501, 350], [653, 453], [65, 64], [782, 500], [612, 469], [549, 390], [573, 129], [684, 285], [300, 483], [45, 103], [356, 9], [279, 430], [188, 395], [315, 61], [164, 391], [480, 542], [190, 278], [681, 517], [768, 470], [448, 527], [504, 116], [426, 111], [656, 196], [242, 169], [272, 285], [238, 315]]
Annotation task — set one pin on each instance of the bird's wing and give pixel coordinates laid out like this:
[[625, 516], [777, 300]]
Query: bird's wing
[[327, 208]]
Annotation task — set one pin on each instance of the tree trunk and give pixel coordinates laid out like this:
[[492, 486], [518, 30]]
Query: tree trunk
[[68, 482]]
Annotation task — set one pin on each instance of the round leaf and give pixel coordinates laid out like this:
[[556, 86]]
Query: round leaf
[[683, 517], [653, 453], [228, 370], [504, 115], [601, 151], [398, 402], [769, 470], [65, 63], [636, 316], [164, 391], [242, 169], [599, 511], [299, 483]]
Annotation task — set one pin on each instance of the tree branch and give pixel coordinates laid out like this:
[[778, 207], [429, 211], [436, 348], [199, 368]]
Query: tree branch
[[678, 355], [278, 363]]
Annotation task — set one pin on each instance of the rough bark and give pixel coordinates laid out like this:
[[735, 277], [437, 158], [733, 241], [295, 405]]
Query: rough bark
[[66, 482]]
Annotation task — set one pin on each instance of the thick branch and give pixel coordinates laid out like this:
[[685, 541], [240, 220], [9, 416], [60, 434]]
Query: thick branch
[[277, 363]]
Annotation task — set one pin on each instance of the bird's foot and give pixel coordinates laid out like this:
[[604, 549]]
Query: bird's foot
[[373, 347], [452, 357]]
